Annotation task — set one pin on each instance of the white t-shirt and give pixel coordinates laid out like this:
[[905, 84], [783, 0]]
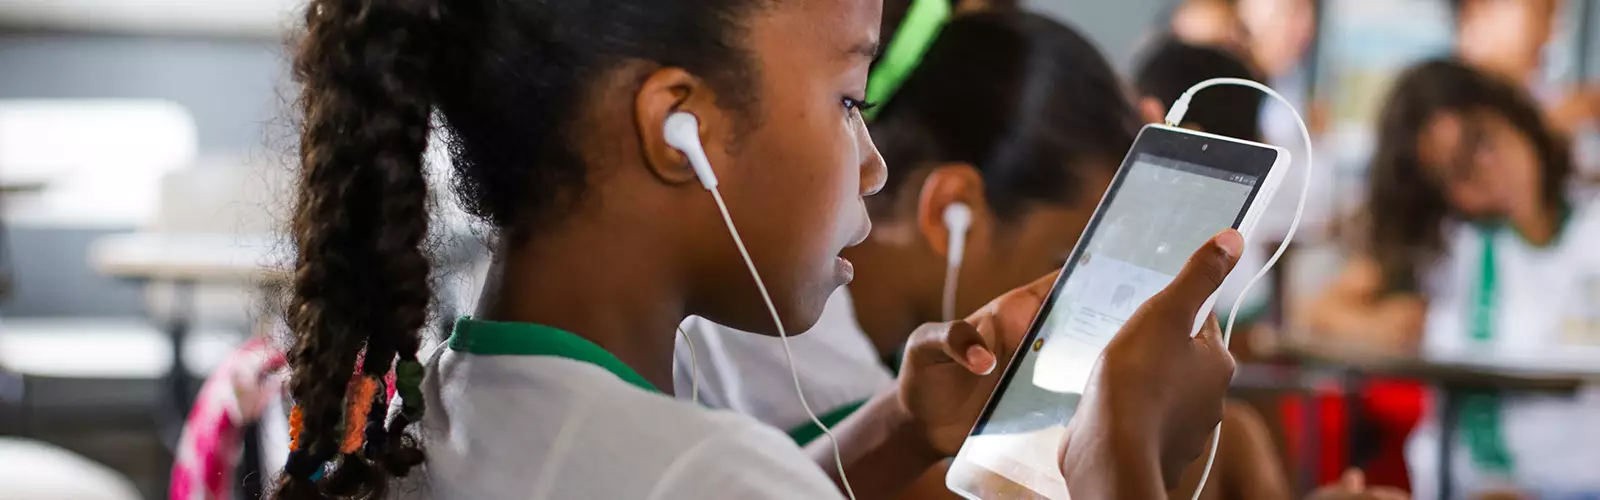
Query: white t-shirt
[[553, 427], [1547, 314], [747, 372]]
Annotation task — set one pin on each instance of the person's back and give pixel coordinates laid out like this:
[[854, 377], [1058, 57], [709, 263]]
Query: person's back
[[603, 432]]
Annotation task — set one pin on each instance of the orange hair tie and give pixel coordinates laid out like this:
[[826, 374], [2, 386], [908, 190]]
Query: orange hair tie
[[358, 403], [297, 425]]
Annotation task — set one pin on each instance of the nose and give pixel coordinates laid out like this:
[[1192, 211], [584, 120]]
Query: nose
[[874, 172]]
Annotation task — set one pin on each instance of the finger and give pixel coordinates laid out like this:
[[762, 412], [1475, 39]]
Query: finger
[[1029, 296], [966, 345], [1202, 274], [1353, 480], [1014, 311], [956, 341]]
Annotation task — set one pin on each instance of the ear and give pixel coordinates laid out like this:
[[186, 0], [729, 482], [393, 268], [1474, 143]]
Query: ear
[[1152, 111], [663, 92], [945, 185]]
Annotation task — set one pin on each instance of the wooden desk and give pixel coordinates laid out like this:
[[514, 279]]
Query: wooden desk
[[185, 260], [193, 258], [1452, 374]]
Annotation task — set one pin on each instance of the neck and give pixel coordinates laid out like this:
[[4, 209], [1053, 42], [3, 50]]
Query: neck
[[595, 286], [886, 295], [1539, 227]]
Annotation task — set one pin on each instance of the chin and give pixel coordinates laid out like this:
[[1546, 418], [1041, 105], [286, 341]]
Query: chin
[[803, 311]]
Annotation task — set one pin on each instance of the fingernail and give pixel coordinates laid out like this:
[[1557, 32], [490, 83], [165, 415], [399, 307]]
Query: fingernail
[[1231, 242], [981, 358]]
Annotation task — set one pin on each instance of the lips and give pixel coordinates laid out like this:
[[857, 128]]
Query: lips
[[866, 230]]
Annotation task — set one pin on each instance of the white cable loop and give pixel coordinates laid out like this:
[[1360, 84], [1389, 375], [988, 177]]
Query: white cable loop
[[1175, 118]]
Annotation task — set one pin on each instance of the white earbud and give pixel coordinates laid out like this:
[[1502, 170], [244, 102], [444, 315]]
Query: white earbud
[[957, 220], [682, 131]]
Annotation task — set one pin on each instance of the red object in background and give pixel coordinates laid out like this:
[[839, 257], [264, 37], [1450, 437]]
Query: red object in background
[[1391, 407]]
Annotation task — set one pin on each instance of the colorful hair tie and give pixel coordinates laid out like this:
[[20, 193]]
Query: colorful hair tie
[[297, 425], [358, 401], [408, 383], [918, 30]]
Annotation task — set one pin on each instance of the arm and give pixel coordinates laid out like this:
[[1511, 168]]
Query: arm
[[1249, 461], [1355, 307], [883, 451], [1100, 462]]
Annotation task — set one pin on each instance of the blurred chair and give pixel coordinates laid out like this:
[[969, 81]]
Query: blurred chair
[[218, 201], [30, 470], [93, 162]]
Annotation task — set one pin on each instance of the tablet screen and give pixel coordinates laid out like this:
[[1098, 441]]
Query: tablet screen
[[1155, 215]]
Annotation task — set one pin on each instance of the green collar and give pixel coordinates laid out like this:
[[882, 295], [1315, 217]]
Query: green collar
[[495, 338], [1490, 227]]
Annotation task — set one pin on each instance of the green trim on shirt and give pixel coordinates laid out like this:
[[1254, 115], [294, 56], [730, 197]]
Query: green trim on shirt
[[809, 431], [497, 338], [1480, 412]]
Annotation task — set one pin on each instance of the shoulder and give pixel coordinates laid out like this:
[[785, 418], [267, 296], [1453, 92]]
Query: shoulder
[[744, 460], [1583, 227]]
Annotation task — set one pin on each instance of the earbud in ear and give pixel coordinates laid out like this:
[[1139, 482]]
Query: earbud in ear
[[682, 132], [957, 220]]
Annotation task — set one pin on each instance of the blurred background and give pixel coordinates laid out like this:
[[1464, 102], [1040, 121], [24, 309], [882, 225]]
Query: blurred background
[[143, 148]]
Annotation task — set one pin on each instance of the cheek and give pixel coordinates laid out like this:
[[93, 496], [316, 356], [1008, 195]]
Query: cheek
[[807, 200]]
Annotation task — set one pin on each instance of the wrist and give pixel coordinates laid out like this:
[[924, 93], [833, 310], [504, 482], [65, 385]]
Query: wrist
[[1111, 459], [908, 431]]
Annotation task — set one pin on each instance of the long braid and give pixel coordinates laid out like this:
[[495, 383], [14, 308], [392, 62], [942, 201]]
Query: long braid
[[362, 277]]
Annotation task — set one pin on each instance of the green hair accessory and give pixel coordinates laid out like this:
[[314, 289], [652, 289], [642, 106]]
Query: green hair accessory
[[921, 26]]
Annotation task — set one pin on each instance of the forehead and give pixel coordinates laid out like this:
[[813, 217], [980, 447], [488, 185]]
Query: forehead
[[827, 30]]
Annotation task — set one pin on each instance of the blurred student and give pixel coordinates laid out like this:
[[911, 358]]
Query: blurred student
[[1209, 23], [1474, 245], [606, 241], [1511, 39], [1170, 66]]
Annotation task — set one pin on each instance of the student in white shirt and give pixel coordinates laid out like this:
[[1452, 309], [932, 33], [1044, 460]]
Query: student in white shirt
[[1031, 170], [605, 241], [1476, 248]]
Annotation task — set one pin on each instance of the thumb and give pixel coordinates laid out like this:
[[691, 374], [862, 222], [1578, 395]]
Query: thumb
[[1202, 274], [964, 344]]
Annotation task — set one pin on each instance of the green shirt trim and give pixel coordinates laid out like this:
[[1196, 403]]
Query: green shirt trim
[[809, 431], [497, 338]]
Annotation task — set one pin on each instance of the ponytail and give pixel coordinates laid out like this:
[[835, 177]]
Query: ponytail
[[361, 277]]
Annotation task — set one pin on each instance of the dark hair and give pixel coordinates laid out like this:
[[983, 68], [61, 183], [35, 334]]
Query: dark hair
[[1407, 208], [1169, 67], [508, 79], [1022, 98]]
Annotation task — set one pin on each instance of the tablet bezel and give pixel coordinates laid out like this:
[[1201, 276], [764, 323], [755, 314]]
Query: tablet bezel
[[1263, 161]]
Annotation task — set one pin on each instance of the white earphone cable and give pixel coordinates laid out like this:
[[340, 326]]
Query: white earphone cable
[[784, 336], [1175, 118], [694, 367], [948, 306]]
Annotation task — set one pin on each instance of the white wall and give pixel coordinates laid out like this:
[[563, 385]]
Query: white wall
[[1116, 26]]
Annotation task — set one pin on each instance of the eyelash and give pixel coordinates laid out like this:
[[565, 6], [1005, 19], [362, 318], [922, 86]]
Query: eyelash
[[859, 105]]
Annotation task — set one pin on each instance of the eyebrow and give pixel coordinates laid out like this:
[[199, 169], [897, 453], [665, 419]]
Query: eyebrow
[[867, 49]]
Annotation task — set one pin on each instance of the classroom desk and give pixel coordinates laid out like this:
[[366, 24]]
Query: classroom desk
[[185, 260], [1285, 377], [1451, 374]]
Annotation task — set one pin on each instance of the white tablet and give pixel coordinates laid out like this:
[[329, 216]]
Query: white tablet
[[1175, 190]]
